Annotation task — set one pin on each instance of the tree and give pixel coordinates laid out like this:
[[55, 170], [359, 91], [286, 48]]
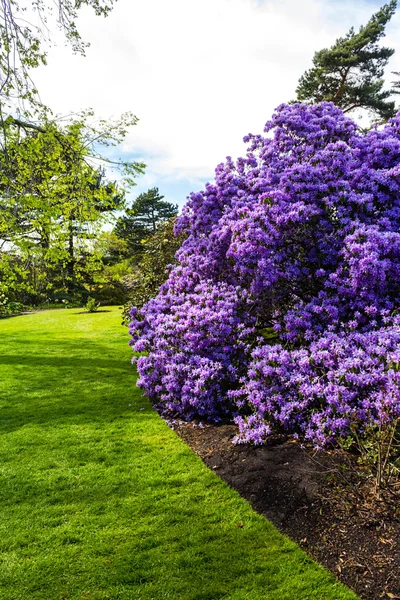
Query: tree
[[350, 72], [152, 271], [54, 186], [107, 282], [142, 220], [55, 196]]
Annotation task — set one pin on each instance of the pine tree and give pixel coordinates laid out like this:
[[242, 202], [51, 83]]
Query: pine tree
[[350, 72], [142, 220]]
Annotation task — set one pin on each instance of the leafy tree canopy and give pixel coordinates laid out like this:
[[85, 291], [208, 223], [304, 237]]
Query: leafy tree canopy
[[159, 252], [142, 220], [350, 72], [54, 196]]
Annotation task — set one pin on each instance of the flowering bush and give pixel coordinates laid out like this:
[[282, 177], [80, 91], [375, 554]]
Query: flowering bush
[[282, 308]]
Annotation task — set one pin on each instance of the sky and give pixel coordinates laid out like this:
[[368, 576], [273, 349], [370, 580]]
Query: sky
[[198, 74]]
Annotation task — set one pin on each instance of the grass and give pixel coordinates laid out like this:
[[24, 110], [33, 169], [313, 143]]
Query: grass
[[99, 499]]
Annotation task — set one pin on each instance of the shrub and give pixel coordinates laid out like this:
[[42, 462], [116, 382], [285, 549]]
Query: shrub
[[9, 307], [92, 305], [282, 307]]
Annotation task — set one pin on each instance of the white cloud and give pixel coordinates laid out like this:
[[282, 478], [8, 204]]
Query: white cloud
[[199, 75]]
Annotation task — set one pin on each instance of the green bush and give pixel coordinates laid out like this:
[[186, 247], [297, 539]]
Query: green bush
[[92, 305], [9, 307]]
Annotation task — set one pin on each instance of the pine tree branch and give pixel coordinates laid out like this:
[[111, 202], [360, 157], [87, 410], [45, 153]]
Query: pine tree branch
[[342, 83]]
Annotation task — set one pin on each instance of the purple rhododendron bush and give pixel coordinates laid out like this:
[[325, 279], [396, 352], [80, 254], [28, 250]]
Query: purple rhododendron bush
[[282, 310]]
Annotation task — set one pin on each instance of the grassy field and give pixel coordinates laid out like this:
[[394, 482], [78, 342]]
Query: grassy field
[[99, 499]]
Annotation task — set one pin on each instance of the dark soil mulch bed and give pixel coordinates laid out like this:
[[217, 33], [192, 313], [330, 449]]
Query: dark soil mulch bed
[[317, 500]]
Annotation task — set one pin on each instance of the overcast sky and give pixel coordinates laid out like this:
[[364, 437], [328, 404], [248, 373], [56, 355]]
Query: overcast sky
[[199, 74]]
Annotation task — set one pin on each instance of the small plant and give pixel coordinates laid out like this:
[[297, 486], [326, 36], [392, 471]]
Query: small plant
[[379, 453], [14, 307], [8, 307], [92, 305]]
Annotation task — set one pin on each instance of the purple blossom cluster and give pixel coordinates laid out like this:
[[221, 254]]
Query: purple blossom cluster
[[282, 308], [339, 384], [195, 339]]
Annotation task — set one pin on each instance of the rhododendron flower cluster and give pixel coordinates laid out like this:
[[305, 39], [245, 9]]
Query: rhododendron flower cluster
[[282, 309], [338, 383], [196, 339]]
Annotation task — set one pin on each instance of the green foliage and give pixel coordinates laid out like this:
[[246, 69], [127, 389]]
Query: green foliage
[[108, 283], [379, 452], [152, 270], [9, 307], [54, 193], [396, 84], [92, 305], [100, 499], [350, 72], [112, 248], [142, 220], [54, 202]]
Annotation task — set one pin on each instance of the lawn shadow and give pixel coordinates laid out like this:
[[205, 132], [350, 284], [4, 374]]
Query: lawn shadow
[[86, 384]]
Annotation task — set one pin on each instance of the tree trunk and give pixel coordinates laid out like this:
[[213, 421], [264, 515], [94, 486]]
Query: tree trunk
[[71, 257]]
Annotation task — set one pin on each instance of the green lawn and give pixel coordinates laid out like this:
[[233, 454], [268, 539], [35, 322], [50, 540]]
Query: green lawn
[[99, 499]]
